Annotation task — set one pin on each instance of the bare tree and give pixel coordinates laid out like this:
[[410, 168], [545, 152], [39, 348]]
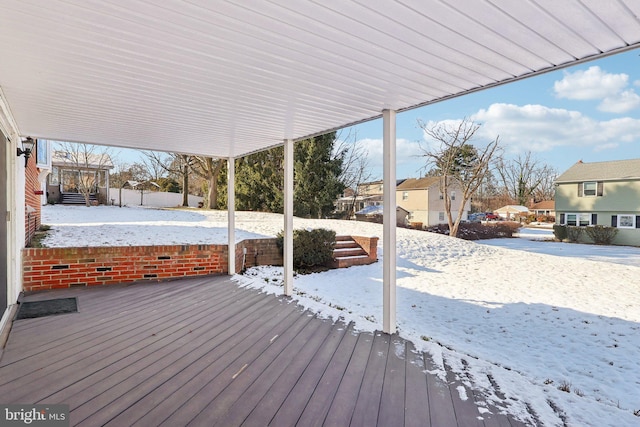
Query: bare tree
[[459, 163], [119, 177], [524, 175], [209, 168], [89, 162], [546, 189], [175, 164], [124, 174], [355, 164]]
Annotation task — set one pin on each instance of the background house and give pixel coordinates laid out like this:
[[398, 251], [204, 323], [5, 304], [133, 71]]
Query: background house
[[511, 212], [71, 171], [544, 208], [367, 194], [425, 203], [601, 193]]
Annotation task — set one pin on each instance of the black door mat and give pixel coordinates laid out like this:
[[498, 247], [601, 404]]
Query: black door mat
[[33, 309]]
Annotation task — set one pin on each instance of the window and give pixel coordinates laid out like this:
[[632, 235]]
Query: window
[[405, 195], [584, 220], [626, 221], [580, 220], [440, 216], [453, 195], [591, 189], [54, 177], [441, 196], [42, 152]]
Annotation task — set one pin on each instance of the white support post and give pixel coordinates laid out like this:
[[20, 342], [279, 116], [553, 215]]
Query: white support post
[[389, 222], [288, 217], [231, 214]]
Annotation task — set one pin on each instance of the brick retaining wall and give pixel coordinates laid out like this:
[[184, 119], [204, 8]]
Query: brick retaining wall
[[259, 252], [51, 268]]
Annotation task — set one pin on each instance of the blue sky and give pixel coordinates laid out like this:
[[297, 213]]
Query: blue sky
[[589, 112]]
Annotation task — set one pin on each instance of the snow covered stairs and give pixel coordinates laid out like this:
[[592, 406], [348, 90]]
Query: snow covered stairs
[[354, 250]]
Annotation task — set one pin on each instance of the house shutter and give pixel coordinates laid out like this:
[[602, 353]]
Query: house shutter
[[600, 188], [637, 221], [580, 189], [562, 218], [594, 219], [614, 220]]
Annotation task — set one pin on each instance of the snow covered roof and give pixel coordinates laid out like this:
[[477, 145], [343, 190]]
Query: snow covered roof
[[227, 78], [512, 209]]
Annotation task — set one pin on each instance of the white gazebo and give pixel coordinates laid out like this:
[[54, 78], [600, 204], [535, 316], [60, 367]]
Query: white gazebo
[[225, 79]]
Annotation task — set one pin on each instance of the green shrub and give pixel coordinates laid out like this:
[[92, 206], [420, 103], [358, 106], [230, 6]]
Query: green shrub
[[574, 233], [560, 232], [601, 234], [311, 248]]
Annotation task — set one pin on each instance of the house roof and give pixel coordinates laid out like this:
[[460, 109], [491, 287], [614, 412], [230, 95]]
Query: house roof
[[544, 205], [602, 171], [512, 209], [228, 78], [419, 183], [86, 160]]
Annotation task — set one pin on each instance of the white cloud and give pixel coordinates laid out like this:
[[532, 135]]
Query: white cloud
[[620, 103], [540, 128], [594, 83]]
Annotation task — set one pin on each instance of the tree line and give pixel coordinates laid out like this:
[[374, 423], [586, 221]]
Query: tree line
[[326, 165]]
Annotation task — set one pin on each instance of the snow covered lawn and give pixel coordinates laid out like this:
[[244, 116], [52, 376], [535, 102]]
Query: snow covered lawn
[[532, 316]]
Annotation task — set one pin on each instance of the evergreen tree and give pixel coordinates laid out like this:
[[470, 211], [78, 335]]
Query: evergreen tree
[[260, 179], [316, 176]]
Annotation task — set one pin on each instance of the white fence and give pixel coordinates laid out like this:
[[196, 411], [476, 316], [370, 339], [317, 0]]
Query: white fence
[[158, 199]]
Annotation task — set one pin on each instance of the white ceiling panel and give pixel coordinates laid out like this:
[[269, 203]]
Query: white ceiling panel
[[226, 78]]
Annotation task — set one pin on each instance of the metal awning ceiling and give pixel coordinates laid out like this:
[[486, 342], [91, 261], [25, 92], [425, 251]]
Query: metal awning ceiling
[[225, 78]]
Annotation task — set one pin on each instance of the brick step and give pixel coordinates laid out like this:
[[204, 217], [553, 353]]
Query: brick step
[[348, 261], [346, 252], [76, 199]]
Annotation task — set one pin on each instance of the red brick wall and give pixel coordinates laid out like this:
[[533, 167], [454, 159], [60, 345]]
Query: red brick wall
[[31, 187], [259, 252], [369, 244], [50, 268]]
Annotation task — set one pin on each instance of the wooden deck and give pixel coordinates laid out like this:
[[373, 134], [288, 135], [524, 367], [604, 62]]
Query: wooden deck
[[205, 352]]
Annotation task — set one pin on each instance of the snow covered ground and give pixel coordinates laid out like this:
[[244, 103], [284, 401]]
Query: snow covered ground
[[536, 316]]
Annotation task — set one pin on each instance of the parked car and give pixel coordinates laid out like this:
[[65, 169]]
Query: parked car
[[490, 216], [477, 217]]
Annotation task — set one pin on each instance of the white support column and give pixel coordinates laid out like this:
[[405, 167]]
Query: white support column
[[389, 225], [231, 214], [288, 217]]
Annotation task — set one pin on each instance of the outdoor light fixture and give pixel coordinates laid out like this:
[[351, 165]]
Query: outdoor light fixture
[[27, 149]]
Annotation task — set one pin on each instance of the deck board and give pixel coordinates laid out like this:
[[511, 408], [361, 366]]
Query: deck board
[[204, 351]]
